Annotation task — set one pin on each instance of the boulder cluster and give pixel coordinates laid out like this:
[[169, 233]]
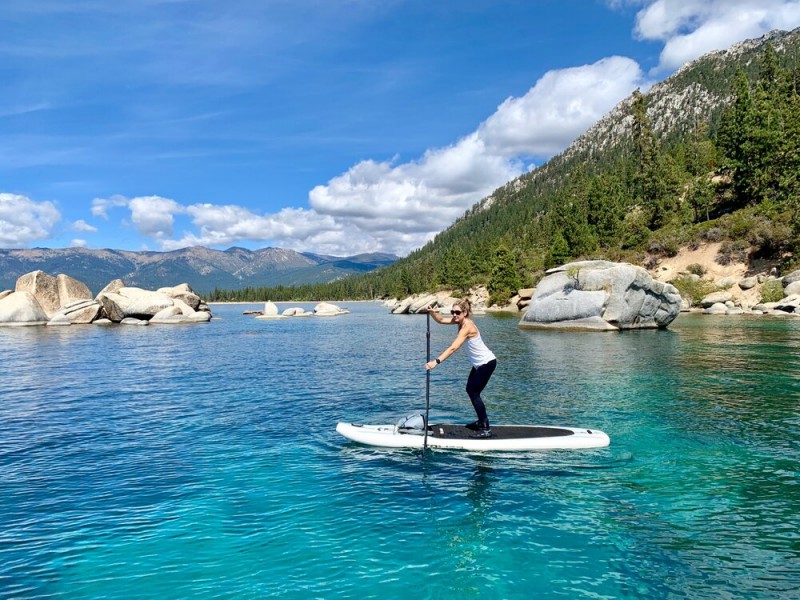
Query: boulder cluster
[[42, 299], [733, 297], [477, 296], [593, 295], [323, 309]]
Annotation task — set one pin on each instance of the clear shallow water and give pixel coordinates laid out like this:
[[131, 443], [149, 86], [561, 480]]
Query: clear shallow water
[[202, 462]]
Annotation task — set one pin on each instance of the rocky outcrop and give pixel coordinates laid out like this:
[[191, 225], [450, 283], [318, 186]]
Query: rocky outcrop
[[169, 305], [112, 287], [270, 312], [53, 292], [183, 293], [80, 312], [716, 298], [21, 308], [41, 298], [601, 296], [71, 291], [325, 309], [478, 297], [131, 302]]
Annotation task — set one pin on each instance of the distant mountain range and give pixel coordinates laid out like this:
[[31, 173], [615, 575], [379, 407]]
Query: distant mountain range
[[202, 268]]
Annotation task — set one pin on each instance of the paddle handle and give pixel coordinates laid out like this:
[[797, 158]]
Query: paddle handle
[[427, 381]]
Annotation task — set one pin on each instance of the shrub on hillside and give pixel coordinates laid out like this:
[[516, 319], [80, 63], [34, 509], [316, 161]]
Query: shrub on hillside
[[772, 291], [693, 289], [651, 262], [696, 269], [738, 224], [732, 252], [769, 239], [664, 246]]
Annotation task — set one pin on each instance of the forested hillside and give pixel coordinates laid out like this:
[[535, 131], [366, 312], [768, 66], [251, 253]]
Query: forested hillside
[[710, 154]]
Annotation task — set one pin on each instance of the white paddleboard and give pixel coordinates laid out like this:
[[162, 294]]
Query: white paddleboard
[[504, 437]]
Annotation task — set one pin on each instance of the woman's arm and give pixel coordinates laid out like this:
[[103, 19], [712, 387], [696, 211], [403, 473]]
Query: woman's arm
[[463, 335], [437, 317]]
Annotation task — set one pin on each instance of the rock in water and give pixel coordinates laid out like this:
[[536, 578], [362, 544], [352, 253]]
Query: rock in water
[[597, 295], [324, 309], [21, 308], [43, 287], [71, 290]]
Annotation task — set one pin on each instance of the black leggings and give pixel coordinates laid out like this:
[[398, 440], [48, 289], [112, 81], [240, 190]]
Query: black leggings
[[477, 380]]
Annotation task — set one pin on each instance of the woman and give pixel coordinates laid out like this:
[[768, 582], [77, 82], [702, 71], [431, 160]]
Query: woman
[[482, 359]]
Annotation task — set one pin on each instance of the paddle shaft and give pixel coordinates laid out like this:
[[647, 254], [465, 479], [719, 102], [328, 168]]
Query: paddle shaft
[[427, 381]]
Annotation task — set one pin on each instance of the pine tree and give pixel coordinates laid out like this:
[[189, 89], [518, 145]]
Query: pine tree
[[505, 279], [733, 137], [652, 179], [454, 269], [558, 254], [606, 201]]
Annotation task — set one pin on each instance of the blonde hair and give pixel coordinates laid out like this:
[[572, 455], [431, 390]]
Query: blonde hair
[[464, 305]]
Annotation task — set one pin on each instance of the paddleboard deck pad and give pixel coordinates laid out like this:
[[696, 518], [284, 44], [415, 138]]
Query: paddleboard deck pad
[[503, 437]]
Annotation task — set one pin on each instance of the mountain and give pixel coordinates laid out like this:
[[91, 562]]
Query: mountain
[[694, 95], [202, 268]]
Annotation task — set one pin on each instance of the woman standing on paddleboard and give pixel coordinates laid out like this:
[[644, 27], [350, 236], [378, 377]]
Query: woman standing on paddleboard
[[482, 359]]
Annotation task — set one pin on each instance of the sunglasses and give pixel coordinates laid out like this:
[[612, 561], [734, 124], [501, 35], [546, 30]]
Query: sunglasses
[[455, 313]]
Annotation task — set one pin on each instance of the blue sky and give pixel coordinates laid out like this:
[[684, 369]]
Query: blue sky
[[330, 126]]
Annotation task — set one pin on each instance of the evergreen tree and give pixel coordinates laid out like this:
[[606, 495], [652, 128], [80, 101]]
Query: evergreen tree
[[454, 269], [559, 253], [606, 200], [651, 183], [505, 279], [734, 135]]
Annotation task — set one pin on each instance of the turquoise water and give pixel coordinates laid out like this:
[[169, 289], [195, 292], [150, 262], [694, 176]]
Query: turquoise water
[[201, 462]]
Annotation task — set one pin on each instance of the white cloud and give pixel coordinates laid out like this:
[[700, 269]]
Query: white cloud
[[154, 216], [690, 28], [101, 206], [562, 105], [81, 225], [77, 243], [23, 220], [398, 206], [227, 225], [405, 205], [385, 206]]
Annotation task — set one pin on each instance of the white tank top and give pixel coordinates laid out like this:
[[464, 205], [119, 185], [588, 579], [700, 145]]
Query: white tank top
[[477, 352]]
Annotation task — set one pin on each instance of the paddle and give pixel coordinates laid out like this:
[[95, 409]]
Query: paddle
[[427, 382]]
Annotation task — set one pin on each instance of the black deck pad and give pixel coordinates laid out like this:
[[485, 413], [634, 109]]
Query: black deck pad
[[499, 432]]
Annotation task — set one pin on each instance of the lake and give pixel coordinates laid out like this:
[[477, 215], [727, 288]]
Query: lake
[[201, 461]]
